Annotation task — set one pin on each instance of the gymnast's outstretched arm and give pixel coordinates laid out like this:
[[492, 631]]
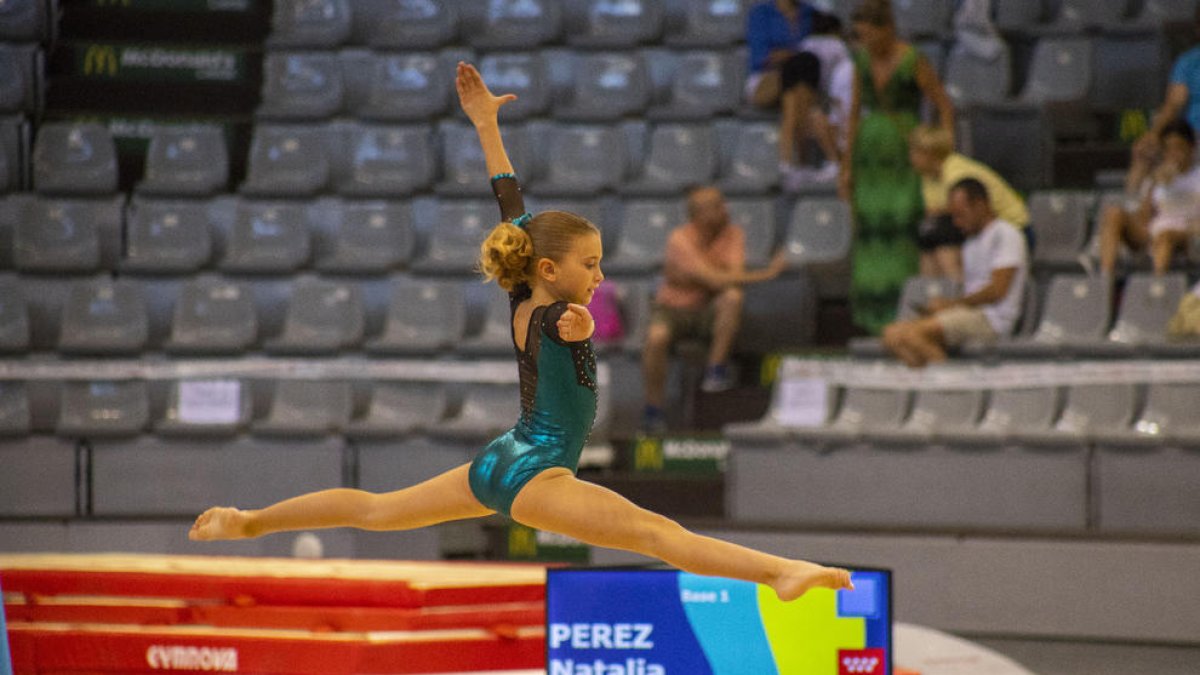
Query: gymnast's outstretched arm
[[482, 108]]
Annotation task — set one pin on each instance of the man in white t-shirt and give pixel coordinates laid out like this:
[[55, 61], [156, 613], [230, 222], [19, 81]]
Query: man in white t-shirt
[[995, 268]]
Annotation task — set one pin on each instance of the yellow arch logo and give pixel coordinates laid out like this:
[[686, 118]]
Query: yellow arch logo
[[522, 542], [100, 60], [648, 455]]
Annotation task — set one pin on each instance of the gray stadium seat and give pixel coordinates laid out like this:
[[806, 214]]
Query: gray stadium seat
[[494, 335], [205, 408], [1168, 417], [39, 477], [522, 73], [103, 409], [1130, 67], [487, 410], [934, 413], [170, 237], [1060, 70], [191, 161], [408, 87], [1157, 12], [267, 237], [386, 161], [1147, 304], [1060, 220], [74, 159], [708, 23], [645, 225], [310, 23], [24, 21], [1019, 15], [301, 86], [596, 211], [64, 235], [14, 316], [512, 24], [923, 17], [458, 228], [306, 408], [323, 317], [464, 172], [757, 218], [408, 24], [612, 24], [400, 408], [1016, 140], [20, 78], [704, 84], [1091, 412], [752, 164], [213, 316], [104, 316], [14, 411], [635, 299], [366, 237], [13, 163], [582, 160], [862, 410], [678, 156], [1076, 313], [1008, 412], [151, 476], [819, 231], [44, 297], [1077, 15], [607, 86], [287, 161], [423, 317], [972, 79]]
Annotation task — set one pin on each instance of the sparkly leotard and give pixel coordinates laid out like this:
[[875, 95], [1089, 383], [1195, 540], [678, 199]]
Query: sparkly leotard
[[558, 396]]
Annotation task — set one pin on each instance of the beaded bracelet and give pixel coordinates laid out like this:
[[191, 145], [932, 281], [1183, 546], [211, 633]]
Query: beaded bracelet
[[522, 221], [503, 175]]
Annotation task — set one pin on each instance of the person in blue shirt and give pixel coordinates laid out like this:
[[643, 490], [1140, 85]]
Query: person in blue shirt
[[780, 73], [1182, 99]]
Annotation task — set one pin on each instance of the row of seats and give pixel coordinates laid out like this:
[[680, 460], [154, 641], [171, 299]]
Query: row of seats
[[512, 24], [627, 23], [567, 84], [210, 315], [1123, 414], [21, 80], [1113, 458], [379, 160], [28, 20], [428, 235], [1073, 318], [224, 408]]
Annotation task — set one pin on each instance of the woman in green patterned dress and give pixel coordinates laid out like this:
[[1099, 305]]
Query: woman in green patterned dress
[[884, 190]]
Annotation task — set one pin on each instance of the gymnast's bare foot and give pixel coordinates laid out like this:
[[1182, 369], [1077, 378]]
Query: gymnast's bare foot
[[799, 576], [220, 522]]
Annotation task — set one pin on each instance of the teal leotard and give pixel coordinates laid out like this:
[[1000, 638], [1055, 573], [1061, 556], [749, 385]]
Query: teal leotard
[[558, 398]]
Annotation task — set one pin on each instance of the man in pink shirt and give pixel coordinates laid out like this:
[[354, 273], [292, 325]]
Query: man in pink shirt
[[700, 297]]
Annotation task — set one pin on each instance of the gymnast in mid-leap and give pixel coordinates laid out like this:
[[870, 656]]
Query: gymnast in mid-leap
[[550, 266]]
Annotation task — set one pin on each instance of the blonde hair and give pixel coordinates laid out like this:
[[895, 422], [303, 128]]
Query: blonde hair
[[934, 140], [874, 13], [510, 253]]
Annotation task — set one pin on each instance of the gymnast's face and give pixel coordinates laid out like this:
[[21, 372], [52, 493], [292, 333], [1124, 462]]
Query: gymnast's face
[[576, 276]]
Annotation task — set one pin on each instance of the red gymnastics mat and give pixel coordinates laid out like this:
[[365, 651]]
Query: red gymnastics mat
[[120, 613]]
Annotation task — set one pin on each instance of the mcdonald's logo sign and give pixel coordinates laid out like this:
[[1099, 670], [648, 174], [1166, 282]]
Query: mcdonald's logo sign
[[100, 60]]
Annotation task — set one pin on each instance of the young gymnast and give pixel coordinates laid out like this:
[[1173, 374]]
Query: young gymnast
[[550, 266]]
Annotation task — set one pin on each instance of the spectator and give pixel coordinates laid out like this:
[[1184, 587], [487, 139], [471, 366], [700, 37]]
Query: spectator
[[931, 151], [831, 106], [780, 73], [1164, 203], [700, 297], [884, 190], [994, 268]]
